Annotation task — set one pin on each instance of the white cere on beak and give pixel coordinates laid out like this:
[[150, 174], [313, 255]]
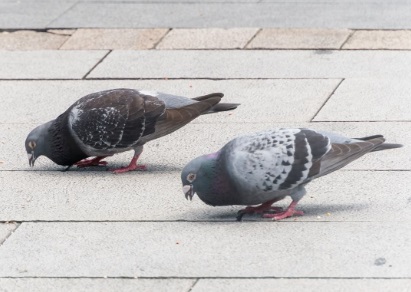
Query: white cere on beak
[[30, 155], [186, 189]]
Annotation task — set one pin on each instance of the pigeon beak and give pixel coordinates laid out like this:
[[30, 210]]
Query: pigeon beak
[[188, 191], [32, 158]]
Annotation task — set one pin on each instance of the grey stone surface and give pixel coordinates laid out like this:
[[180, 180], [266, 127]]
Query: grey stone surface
[[114, 39], [207, 38], [31, 14], [100, 285], [47, 64], [385, 99], [31, 40], [261, 100], [297, 285], [204, 249], [5, 231], [342, 14], [254, 64], [277, 38], [380, 39]]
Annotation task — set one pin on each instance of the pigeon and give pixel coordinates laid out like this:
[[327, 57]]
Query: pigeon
[[104, 123], [265, 167]]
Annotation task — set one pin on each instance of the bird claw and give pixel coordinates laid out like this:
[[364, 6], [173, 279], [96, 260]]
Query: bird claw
[[90, 162], [258, 210], [129, 168], [287, 213], [240, 215]]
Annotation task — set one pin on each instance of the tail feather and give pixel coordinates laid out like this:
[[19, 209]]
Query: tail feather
[[221, 107], [342, 154], [384, 146]]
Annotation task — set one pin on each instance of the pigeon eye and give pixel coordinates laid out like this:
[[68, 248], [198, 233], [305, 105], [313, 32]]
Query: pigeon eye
[[32, 144], [191, 177]]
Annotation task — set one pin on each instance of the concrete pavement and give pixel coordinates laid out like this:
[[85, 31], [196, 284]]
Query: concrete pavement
[[90, 230]]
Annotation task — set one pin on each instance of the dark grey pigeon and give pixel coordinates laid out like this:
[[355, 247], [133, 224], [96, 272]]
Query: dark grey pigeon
[[104, 123], [265, 167]]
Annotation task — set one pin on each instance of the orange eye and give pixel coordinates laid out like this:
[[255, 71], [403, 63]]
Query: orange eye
[[32, 144], [191, 177]]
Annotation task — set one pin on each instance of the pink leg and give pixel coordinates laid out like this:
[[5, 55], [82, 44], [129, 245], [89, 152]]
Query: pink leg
[[287, 213], [259, 209], [132, 166], [91, 162]]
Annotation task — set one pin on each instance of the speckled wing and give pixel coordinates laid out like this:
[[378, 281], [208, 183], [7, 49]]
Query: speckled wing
[[115, 118], [274, 160]]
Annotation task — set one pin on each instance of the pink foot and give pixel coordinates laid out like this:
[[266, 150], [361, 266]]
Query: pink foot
[[132, 166], [258, 209], [287, 213], [91, 162], [129, 168]]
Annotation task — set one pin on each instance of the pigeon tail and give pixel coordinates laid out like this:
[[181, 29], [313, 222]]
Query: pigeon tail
[[175, 118], [222, 107], [342, 154], [384, 146]]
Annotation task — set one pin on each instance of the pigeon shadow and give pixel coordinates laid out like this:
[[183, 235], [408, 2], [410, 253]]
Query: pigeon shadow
[[110, 167], [310, 211]]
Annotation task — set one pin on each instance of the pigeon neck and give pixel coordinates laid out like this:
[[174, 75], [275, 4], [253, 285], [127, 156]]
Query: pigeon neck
[[62, 148]]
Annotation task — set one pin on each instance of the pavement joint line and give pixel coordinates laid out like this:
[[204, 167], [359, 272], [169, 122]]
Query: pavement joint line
[[49, 30], [161, 39], [98, 63], [328, 98], [207, 278], [364, 121], [61, 14], [162, 78], [69, 36], [11, 232], [346, 40], [233, 221], [252, 38], [193, 285]]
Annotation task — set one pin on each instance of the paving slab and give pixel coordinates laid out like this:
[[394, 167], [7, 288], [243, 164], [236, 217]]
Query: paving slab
[[204, 249], [31, 14], [379, 39], [47, 64], [254, 64], [277, 38], [207, 38], [100, 285], [261, 100], [296, 285], [5, 231], [30, 40], [114, 39], [387, 15], [369, 100]]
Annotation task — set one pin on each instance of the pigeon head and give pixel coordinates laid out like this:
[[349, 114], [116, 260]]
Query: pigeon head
[[35, 142], [189, 176], [197, 175]]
